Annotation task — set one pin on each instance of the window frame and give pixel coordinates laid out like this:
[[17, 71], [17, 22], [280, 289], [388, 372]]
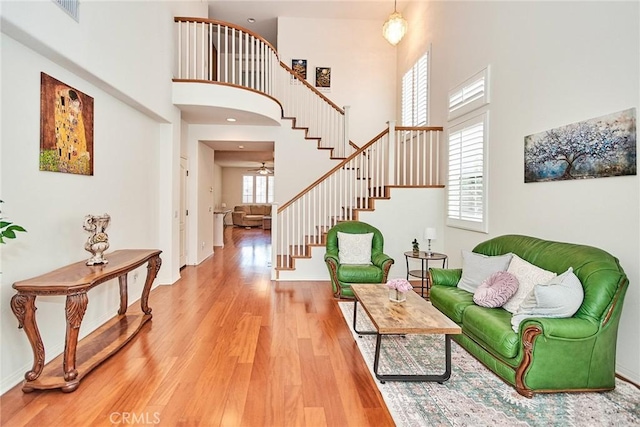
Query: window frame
[[458, 221], [419, 75], [268, 189], [470, 99]]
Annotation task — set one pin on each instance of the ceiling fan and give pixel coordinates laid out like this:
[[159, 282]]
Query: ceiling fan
[[262, 170]]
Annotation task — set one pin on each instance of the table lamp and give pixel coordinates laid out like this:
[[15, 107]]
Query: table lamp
[[429, 235]]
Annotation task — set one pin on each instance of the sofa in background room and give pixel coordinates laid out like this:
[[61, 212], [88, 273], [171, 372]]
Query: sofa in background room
[[250, 215]]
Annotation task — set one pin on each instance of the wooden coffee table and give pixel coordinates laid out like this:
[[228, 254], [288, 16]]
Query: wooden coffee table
[[413, 316]]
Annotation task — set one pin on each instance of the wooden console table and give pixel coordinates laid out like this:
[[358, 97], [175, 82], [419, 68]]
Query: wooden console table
[[74, 281]]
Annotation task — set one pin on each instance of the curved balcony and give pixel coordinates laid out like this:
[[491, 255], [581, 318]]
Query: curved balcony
[[221, 53]]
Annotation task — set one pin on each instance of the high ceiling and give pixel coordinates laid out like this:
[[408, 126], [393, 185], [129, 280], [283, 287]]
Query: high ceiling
[[265, 14]]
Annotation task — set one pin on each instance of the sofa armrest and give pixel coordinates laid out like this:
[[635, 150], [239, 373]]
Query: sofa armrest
[[380, 259], [572, 328], [384, 262], [237, 217], [445, 277], [329, 257]]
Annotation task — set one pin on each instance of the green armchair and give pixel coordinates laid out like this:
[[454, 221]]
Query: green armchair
[[343, 275]]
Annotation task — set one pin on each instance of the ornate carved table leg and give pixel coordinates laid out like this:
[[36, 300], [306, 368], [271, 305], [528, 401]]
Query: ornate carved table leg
[[123, 294], [75, 308], [24, 308], [152, 271]]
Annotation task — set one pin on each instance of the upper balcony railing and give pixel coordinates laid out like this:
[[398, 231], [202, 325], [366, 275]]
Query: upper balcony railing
[[219, 52]]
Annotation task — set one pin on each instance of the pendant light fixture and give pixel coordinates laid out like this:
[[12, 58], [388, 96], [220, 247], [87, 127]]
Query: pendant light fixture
[[395, 28]]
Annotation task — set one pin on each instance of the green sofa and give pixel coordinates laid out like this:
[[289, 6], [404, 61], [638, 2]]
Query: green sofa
[[343, 275], [547, 354]]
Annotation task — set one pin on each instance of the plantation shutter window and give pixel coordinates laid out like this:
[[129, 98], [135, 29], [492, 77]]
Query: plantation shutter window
[[470, 95], [466, 190], [415, 94]]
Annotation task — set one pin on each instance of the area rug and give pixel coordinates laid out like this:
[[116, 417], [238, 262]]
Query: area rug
[[474, 396]]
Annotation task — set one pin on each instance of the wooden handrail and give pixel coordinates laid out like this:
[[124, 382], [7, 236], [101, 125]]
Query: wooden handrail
[[226, 24], [425, 128], [313, 89], [353, 155], [340, 165]]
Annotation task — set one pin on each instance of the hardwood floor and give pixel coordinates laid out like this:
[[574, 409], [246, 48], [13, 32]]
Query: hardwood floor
[[226, 346]]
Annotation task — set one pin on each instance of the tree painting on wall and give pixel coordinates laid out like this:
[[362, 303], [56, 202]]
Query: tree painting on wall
[[595, 148], [66, 128]]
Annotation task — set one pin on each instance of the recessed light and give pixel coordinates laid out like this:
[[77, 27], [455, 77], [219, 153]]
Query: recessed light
[[231, 119], [241, 146], [251, 20]]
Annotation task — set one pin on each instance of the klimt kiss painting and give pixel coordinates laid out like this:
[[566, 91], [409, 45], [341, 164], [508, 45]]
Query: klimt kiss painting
[[66, 128]]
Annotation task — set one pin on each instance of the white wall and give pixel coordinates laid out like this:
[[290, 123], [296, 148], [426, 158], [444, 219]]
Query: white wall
[[116, 44], [184, 139], [552, 63], [217, 186], [363, 67], [108, 56], [52, 205], [232, 187]]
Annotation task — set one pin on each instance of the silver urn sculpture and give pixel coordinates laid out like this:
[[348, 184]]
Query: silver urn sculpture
[[98, 241]]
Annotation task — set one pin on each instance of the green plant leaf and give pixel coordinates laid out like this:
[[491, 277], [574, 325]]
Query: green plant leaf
[[15, 228], [9, 234], [4, 224]]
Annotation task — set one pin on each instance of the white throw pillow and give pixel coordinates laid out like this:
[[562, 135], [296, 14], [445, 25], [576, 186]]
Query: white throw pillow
[[560, 297], [528, 276], [354, 248], [477, 267]]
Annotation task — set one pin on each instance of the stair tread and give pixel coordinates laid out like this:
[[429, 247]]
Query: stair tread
[[380, 193]]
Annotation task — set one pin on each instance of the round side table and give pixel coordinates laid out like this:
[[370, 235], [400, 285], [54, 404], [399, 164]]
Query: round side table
[[424, 258]]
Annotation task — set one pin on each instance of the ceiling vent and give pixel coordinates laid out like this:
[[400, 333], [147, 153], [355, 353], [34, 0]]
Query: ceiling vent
[[72, 7]]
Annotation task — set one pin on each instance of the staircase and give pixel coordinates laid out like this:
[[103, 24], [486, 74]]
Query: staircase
[[397, 157], [222, 53]]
